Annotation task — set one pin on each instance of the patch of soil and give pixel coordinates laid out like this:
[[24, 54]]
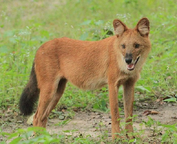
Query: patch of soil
[[96, 123], [85, 123]]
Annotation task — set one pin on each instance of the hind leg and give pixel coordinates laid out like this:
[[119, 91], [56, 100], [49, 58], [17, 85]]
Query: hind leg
[[45, 96], [49, 97], [55, 99]]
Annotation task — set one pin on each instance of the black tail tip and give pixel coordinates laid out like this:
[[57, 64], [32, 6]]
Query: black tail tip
[[29, 95], [26, 103]]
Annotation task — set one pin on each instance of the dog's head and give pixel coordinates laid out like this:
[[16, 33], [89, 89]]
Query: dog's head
[[134, 44]]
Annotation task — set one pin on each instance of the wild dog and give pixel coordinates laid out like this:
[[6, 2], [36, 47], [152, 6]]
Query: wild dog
[[89, 65]]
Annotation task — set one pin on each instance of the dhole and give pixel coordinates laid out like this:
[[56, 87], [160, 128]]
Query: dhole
[[89, 65]]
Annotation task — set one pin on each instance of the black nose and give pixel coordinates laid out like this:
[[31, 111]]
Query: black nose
[[128, 58], [128, 61]]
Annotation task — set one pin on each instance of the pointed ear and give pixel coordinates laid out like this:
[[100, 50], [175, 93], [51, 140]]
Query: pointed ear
[[119, 27], [143, 27]]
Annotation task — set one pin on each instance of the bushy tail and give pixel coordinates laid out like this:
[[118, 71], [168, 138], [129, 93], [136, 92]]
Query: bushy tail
[[29, 95]]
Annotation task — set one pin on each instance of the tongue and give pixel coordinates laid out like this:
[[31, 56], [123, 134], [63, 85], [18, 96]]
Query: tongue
[[130, 66]]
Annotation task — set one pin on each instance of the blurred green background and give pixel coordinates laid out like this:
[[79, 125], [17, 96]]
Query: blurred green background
[[26, 24]]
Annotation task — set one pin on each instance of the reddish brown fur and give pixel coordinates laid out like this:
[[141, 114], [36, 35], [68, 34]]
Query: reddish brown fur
[[91, 65]]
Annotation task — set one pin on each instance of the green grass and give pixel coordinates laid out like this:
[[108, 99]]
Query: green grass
[[25, 25]]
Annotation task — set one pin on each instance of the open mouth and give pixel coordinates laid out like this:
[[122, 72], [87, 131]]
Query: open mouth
[[131, 66]]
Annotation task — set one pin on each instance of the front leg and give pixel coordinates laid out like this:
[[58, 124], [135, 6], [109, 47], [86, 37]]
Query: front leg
[[128, 87], [113, 101]]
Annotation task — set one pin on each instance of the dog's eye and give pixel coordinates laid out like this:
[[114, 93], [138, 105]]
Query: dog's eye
[[136, 45], [123, 46]]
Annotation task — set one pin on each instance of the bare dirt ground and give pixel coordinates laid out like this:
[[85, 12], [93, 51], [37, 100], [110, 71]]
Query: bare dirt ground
[[96, 123]]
